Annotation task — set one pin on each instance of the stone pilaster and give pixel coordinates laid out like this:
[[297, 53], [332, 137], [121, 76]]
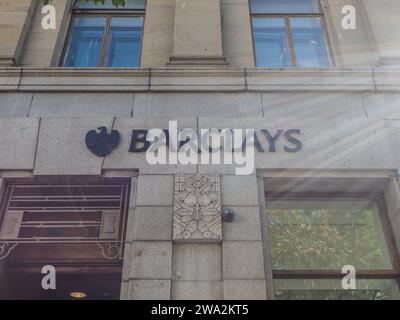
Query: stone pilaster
[[15, 18], [197, 33]]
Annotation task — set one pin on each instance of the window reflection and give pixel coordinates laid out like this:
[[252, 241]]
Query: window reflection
[[309, 42], [284, 6], [124, 42], [322, 234], [108, 4], [271, 42], [321, 289], [85, 41], [312, 238], [289, 33], [111, 38]]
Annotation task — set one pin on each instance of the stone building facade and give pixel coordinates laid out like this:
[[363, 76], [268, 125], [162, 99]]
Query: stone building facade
[[198, 67]]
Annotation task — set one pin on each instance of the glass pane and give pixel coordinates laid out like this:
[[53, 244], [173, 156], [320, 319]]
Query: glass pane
[[84, 42], [124, 42], [317, 289], [110, 4], [271, 42], [284, 6], [309, 42], [311, 234]]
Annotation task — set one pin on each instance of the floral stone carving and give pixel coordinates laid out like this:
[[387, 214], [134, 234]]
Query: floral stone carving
[[197, 207]]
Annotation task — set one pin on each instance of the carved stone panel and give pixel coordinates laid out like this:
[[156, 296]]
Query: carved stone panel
[[197, 207]]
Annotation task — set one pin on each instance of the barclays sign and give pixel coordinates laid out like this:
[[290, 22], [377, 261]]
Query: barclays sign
[[203, 146]]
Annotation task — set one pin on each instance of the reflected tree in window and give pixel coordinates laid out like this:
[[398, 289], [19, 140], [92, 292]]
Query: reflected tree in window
[[311, 240], [318, 238]]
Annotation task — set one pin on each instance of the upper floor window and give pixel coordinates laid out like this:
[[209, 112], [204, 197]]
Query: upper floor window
[[103, 34], [289, 33]]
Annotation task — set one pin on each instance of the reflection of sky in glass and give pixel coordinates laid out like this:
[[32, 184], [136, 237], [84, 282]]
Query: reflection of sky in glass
[[124, 42], [129, 4], [84, 43], [286, 6], [271, 42], [86, 37], [309, 42]]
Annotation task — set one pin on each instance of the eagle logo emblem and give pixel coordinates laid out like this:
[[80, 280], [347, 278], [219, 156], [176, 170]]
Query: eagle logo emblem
[[102, 143]]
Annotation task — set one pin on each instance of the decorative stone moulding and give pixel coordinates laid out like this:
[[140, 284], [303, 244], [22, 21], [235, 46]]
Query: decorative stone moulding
[[197, 61], [7, 61], [197, 208]]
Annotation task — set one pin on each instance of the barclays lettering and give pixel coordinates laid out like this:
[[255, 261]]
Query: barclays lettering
[[291, 142], [204, 146]]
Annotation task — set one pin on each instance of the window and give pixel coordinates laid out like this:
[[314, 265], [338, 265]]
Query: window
[[105, 35], [313, 236], [289, 33], [77, 226]]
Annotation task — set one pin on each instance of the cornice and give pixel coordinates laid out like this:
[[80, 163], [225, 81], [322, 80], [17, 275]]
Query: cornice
[[217, 79]]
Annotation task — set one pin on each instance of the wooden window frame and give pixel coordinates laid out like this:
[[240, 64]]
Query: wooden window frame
[[108, 14], [323, 274], [286, 16]]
